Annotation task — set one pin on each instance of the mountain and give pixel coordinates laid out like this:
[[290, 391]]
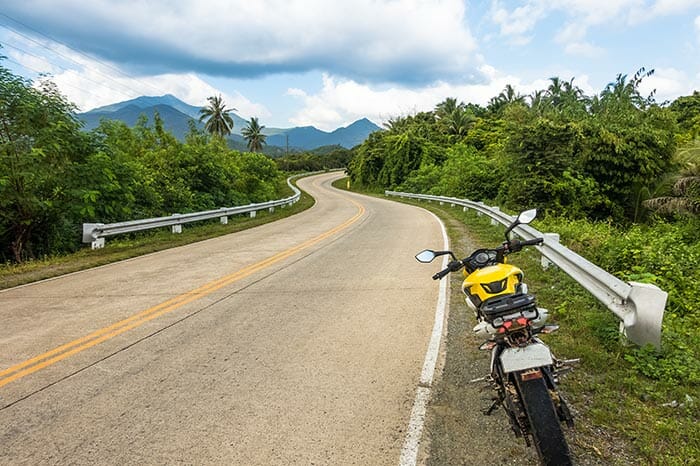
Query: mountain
[[176, 115], [307, 137]]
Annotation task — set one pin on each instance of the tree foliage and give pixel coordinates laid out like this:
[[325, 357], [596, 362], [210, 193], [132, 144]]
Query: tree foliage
[[253, 135], [54, 176], [218, 120], [556, 149]]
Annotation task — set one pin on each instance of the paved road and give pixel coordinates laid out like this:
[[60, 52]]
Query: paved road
[[297, 342]]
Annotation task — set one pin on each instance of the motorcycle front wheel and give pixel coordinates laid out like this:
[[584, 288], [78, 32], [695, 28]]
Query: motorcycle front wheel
[[546, 430]]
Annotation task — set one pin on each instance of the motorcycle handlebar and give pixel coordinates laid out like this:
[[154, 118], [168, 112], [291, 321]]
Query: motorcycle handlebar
[[532, 242], [451, 267]]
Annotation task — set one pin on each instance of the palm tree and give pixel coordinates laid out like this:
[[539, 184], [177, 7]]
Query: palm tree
[[253, 134], [507, 97], [686, 189], [217, 115], [447, 107]]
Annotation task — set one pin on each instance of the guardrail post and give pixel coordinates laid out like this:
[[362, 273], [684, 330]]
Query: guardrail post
[[176, 228], [253, 214], [493, 220], [272, 209], [549, 238], [464, 209]]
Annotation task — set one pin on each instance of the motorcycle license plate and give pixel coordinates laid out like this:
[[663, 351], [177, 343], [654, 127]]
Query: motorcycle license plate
[[531, 356]]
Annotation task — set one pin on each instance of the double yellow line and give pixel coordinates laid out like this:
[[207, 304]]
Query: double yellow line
[[95, 338]]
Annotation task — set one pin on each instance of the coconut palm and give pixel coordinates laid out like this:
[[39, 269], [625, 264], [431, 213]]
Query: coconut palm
[[253, 135], [685, 198], [218, 120]]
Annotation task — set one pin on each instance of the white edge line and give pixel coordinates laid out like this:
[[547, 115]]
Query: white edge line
[[409, 452]]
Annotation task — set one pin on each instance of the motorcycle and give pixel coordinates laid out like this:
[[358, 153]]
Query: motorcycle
[[524, 373]]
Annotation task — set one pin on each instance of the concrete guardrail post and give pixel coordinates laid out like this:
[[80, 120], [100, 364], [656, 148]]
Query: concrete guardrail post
[[549, 238], [493, 220], [178, 227]]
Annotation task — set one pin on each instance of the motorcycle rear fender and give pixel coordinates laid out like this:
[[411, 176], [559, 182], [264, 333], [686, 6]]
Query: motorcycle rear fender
[[528, 357]]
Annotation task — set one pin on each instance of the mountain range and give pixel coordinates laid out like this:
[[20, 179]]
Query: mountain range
[[177, 114]]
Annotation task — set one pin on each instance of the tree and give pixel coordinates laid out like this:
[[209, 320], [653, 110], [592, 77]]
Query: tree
[[40, 140], [685, 198], [253, 135], [218, 120]]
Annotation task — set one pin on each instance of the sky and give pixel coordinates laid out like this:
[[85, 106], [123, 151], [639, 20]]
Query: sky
[[329, 63]]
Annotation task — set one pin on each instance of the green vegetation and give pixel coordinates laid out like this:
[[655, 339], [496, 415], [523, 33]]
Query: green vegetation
[[54, 177], [325, 158]]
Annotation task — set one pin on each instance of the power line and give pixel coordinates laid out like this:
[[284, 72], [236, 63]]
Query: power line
[[42, 73], [58, 66], [78, 51], [65, 57]]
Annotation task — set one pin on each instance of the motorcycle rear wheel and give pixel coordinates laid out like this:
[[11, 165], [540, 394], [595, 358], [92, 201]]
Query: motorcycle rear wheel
[[547, 433]]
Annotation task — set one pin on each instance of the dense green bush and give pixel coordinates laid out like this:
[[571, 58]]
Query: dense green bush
[[665, 254]]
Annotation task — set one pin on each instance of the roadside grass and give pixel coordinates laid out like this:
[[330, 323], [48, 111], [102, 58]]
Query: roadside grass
[[138, 244], [622, 416]]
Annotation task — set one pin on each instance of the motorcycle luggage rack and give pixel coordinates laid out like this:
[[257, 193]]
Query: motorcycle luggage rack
[[502, 306]]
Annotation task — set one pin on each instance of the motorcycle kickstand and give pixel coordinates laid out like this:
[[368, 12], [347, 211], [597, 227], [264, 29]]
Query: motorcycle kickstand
[[493, 407]]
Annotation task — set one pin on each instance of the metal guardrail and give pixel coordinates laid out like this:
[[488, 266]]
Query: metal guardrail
[[639, 306], [95, 233]]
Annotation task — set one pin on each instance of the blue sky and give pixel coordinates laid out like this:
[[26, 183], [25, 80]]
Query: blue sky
[[327, 64]]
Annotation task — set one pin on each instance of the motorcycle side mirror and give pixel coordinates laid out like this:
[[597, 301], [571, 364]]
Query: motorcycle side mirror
[[527, 216], [524, 217], [426, 256]]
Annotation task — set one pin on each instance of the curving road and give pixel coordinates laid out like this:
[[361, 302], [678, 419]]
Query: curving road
[[297, 342]]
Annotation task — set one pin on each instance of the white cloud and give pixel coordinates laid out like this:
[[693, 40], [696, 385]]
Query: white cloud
[[584, 49], [342, 101], [519, 23], [662, 8], [669, 84], [371, 39], [89, 83], [697, 27], [582, 15]]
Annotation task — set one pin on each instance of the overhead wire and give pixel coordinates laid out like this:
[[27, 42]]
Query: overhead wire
[[6, 44], [82, 65], [42, 73], [80, 52]]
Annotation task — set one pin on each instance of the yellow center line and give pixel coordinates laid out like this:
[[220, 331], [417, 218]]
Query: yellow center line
[[76, 346]]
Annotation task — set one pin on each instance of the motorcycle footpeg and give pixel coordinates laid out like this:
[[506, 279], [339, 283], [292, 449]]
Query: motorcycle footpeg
[[486, 378], [566, 362]]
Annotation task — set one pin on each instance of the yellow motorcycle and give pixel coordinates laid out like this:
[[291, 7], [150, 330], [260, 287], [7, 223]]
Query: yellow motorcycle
[[524, 373]]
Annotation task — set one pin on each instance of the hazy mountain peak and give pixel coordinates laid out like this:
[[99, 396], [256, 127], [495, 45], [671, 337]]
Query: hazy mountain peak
[[305, 137]]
